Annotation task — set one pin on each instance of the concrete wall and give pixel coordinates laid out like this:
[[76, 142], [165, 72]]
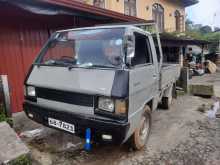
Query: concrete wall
[[114, 5], [144, 10]]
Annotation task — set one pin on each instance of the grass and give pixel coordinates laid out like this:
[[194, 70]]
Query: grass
[[3, 116], [22, 160]]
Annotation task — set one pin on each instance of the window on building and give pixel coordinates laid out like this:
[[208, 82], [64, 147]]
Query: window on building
[[99, 3], [178, 20], [130, 7], [158, 16], [142, 50]]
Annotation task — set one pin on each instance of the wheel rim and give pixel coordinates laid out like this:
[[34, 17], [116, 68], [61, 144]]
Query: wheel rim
[[145, 126]]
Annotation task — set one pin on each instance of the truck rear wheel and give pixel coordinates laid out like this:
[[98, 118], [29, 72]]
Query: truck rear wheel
[[166, 102], [141, 134]]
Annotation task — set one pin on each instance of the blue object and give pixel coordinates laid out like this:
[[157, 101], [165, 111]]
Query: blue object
[[87, 146]]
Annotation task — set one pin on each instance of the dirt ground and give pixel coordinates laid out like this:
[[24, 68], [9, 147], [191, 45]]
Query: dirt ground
[[182, 136]]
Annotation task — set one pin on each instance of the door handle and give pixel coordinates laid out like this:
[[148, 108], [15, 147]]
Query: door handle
[[154, 75]]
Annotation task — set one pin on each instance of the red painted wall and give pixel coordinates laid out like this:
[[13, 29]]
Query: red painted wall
[[22, 35], [18, 48]]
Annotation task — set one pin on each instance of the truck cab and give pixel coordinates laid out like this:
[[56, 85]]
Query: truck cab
[[106, 79]]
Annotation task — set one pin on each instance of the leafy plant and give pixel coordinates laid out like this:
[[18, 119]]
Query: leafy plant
[[201, 32], [22, 160], [3, 116]]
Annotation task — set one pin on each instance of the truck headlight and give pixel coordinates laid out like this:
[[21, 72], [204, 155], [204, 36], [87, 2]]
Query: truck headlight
[[116, 106], [121, 107], [30, 91], [106, 104]]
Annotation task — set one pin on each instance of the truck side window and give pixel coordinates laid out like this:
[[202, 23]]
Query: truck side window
[[142, 50]]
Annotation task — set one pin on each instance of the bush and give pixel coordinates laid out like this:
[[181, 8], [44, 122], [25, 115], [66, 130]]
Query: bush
[[3, 116], [22, 160]]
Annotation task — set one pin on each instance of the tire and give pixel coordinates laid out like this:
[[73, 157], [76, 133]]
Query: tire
[[141, 134], [174, 92], [166, 102]]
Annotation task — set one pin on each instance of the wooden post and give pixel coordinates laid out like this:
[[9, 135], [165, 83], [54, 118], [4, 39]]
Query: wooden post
[[203, 57], [184, 78], [6, 94], [181, 56]]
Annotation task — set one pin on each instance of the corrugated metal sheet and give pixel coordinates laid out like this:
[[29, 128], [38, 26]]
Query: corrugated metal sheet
[[20, 42], [22, 34], [19, 46]]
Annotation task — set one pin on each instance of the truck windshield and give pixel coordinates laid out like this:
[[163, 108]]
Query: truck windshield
[[85, 48]]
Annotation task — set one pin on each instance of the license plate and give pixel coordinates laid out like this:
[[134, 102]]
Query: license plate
[[61, 125]]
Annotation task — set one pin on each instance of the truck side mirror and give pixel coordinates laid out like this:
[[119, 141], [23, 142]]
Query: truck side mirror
[[129, 49]]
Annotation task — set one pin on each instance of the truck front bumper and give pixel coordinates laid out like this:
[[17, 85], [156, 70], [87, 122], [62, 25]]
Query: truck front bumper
[[99, 126]]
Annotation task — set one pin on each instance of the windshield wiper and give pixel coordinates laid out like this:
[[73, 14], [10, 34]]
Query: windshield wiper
[[71, 66], [58, 63], [102, 66], [89, 66]]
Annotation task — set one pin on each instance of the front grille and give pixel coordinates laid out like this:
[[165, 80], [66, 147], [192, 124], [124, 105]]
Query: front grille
[[65, 97]]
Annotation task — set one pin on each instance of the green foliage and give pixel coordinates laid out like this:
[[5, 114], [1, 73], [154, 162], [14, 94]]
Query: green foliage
[[205, 29], [212, 36], [3, 116], [217, 29], [189, 25], [195, 34], [22, 160], [215, 39], [203, 33]]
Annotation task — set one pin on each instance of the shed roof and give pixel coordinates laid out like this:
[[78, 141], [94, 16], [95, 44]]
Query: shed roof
[[172, 40], [90, 9], [79, 8], [72, 8]]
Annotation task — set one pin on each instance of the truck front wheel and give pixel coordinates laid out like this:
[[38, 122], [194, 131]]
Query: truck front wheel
[[141, 134]]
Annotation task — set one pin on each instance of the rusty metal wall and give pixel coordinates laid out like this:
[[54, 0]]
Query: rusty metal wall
[[19, 46], [22, 35], [21, 38]]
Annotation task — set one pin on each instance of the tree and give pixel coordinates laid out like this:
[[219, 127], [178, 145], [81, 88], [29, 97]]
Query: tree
[[214, 38], [196, 31], [216, 29], [189, 24], [205, 29]]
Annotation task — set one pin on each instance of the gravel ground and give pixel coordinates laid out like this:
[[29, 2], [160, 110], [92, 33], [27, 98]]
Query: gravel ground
[[180, 136]]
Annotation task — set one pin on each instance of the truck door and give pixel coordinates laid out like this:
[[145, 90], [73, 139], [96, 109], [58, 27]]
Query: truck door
[[144, 76]]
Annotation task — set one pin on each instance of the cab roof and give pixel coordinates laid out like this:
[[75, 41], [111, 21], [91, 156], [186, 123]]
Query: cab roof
[[126, 27]]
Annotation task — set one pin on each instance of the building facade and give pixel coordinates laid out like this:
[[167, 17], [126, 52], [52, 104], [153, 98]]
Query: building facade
[[169, 14]]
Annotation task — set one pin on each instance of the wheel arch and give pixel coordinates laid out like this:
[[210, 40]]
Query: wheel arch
[[150, 104]]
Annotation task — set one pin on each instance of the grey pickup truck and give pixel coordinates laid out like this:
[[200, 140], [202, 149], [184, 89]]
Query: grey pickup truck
[[105, 78]]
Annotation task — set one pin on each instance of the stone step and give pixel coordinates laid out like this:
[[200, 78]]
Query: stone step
[[202, 90], [11, 146], [217, 90]]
